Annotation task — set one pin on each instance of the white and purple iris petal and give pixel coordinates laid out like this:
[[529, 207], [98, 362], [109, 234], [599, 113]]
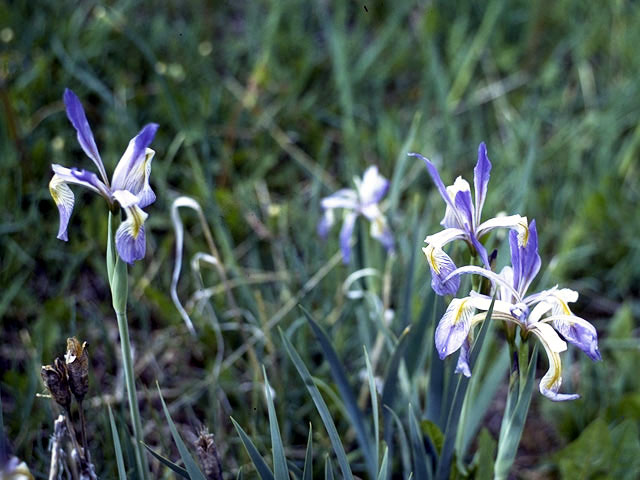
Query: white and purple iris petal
[[130, 186], [464, 215], [363, 200]]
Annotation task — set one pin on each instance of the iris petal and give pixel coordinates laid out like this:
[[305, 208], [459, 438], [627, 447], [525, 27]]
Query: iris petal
[[64, 199], [345, 236], [373, 186], [481, 175], [78, 119], [454, 326], [441, 267], [132, 167]]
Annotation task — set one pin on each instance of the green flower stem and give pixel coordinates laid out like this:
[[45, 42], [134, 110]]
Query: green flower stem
[[118, 281]]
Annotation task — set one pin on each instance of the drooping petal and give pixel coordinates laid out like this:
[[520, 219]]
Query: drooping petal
[[514, 222], [130, 236], [441, 266], [463, 360], [381, 232], [447, 235], [373, 186], [326, 222], [78, 119], [345, 235], [454, 326], [579, 332], [64, 199], [135, 162], [552, 380], [82, 177], [481, 175], [343, 198]]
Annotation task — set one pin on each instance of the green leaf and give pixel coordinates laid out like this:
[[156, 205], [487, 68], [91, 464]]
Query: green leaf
[[383, 474], [279, 458], [433, 432], [374, 404], [187, 459], [111, 251], [328, 469], [119, 286], [404, 444], [389, 389], [307, 473], [321, 406], [122, 472], [261, 467], [420, 467], [484, 455], [346, 393], [240, 475], [176, 468]]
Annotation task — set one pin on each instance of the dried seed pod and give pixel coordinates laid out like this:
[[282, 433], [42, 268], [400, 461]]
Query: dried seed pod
[[208, 455], [77, 361], [56, 380]]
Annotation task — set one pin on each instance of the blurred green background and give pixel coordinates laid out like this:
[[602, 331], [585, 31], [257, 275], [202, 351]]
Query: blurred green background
[[265, 107]]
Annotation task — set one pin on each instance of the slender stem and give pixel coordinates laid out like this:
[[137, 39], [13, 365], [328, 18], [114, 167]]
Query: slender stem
[[83, 432], [132, 395]]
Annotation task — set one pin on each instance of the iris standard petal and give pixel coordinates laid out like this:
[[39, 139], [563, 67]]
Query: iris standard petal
[[552, 380], [441, 267], [130, 236], [345, 235], [64, 199], [78, 119], [461, 195], [454, 326], [130, 171], [481, 175], [343, 198], [373, 186], [530, 260]]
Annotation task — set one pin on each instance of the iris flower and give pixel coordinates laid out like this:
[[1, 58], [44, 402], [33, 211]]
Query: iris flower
[[545, 314], [462, 221], [129, 187], [363, 200]]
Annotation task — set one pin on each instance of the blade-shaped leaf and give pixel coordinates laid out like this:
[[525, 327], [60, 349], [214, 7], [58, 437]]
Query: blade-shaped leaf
[[374, 404], [328, 469], [279, 458], [307, 473], [176, 468], [187, 459], [421, 468], [321, 406], [122, 472], [348, 397], [389, 389], [261, 467], [383, 474]]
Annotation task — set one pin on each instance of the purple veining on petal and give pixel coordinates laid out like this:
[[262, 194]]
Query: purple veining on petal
[[130, 248], [452, 329], [132, 157], [581, 334], [465, 207], [529, 258]]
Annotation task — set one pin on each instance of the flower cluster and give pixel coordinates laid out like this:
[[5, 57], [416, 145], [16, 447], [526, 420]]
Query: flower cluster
[[363, 200], [129, 187], [545, 314]]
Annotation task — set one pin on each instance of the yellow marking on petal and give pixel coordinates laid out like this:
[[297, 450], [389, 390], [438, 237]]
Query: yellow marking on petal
[[137, 217], [60, 191], [429, 252], [459, 313], [557, 370]]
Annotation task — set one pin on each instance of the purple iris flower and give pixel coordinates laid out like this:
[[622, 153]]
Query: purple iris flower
[[363, 200], [129, 187], [545, 314], [462, 221]]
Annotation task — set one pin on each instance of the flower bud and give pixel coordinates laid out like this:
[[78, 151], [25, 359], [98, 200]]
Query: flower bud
[[55, 379], [208, 455], [77, 361]]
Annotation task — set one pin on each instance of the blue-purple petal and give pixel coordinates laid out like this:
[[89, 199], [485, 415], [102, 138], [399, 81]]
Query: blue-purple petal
[[345, 236], [78, 119], [129, 173], [465, 208], [581, 334], [130, 248], [481, 175], [441, 266], [454, 327], [435, 176], [463, 360]]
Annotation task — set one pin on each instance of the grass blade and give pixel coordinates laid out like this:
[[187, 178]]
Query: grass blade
[[389, 389], [374, 405], [348, 397], [328, 469], [122, 472], [383, 474], [420, 467], [307, 473], [321, 406], [279, 458], [176, 468], [261, 467], [189, 462]]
